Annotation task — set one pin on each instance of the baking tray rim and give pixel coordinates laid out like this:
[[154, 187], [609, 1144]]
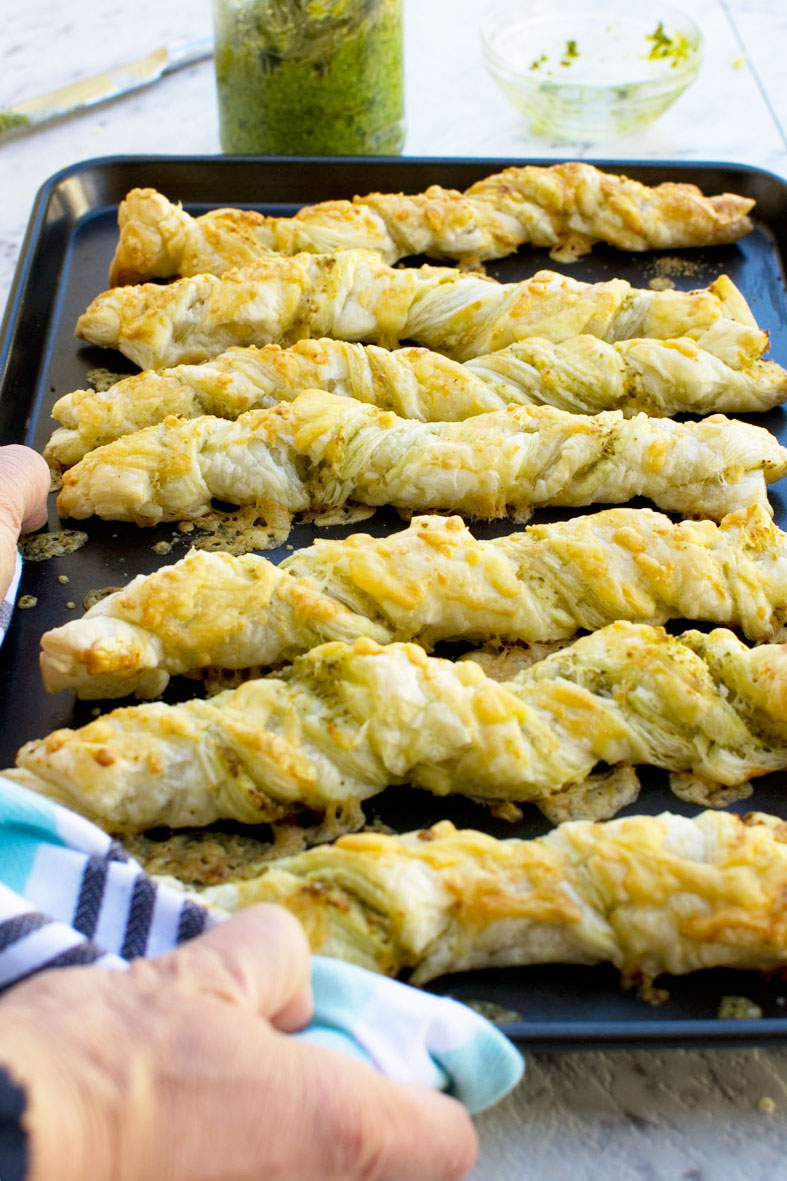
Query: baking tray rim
[[50, 185], [546, 1035]]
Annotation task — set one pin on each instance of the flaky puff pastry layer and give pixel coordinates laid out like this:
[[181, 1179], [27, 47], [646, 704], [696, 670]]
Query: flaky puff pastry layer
[[648, 894], [354, 296], [322, 450], [566, 206], [584, 375], [433, 581], [346, 721]]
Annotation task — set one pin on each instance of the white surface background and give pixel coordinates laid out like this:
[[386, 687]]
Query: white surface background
[[645, 1116], [453, 107]]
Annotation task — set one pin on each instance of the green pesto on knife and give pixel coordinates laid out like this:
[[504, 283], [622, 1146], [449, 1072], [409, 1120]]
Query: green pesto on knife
[[9, 121], [310, 77]]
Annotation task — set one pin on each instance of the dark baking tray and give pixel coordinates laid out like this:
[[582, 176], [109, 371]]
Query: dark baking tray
[[64, 263]]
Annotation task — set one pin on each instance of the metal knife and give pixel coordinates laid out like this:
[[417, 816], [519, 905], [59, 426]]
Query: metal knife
[[90, 91]]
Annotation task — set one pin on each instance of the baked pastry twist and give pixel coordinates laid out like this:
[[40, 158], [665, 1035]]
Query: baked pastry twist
[[584, 375], [346, 721], [648, 894], [352, 295], [323, 450], [433, 581], [567, 207], [209, 609]]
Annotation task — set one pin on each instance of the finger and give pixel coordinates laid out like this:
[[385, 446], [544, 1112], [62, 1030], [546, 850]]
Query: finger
[[450, 1149], [428, 1135], [357, 1123], [258, 959], [24, 486]]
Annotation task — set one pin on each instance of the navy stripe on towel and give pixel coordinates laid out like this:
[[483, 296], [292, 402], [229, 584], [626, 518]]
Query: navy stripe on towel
[[83, 953], [140, 916], [192, 921], [116, 852], [20, 926], [91, 894]]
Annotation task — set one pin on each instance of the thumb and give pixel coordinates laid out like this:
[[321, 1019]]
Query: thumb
[[24, 486], [257, 960]]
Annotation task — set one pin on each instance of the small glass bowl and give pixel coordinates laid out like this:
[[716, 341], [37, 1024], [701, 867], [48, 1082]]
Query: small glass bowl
[[580, 70]]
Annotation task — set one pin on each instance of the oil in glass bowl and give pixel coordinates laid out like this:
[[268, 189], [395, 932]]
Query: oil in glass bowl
[[577, 71]]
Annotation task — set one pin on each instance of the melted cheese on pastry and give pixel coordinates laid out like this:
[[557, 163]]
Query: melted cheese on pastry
[[583, 375], [566, 206], [346, 721], [352, 295], [648, 894], [432, 581], [322, 450]]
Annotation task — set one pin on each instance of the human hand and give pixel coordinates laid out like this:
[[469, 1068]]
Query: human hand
[[24, 485], [181, 1069]]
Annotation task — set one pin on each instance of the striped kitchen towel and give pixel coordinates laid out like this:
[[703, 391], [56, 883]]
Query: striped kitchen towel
[[69, 894]]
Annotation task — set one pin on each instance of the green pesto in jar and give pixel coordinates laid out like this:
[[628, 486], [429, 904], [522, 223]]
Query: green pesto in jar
[[310, 77]]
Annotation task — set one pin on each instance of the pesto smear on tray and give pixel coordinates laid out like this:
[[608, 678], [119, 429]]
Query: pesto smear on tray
[[310, 77]]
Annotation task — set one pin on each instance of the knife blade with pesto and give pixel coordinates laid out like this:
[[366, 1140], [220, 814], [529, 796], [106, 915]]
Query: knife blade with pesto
[[87, 92]]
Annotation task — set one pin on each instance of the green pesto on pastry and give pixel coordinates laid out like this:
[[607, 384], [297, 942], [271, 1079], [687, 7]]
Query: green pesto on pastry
[[322, 451], [432, 581], [584, 375], [353, 295], [566, 206], [346, 721]]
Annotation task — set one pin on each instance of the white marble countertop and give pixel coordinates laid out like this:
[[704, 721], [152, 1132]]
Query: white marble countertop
[[632, 1116]]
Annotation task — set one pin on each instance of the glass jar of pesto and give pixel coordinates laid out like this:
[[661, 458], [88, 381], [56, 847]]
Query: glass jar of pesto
[[310, 77]]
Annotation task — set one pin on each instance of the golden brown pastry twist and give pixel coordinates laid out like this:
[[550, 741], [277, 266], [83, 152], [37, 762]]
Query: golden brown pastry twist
[[649, 894], [346, 721], [433, 581], [352, 295], [323, 450], [566, 206], [584, 375]]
